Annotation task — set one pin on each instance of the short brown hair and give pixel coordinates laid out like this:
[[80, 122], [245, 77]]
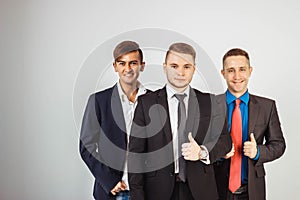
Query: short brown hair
[[236, 52], [181, 47], [127, 47]]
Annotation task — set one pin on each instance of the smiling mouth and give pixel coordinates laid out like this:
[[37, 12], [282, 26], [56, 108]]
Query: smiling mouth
[[128, 75], [237, 82]]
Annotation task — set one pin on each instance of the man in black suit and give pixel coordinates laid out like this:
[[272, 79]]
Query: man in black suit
[[260, 136], [106, 122], [171, 122]]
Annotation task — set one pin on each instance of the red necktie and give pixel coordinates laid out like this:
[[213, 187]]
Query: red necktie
[[236, 159]]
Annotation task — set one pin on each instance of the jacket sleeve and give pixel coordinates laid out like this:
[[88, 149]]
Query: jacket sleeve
[[274, 145], [88, 146], [218, 140]]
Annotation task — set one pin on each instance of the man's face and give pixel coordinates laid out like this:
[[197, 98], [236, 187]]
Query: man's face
[[128, 67], [237, 72], [179, 69]]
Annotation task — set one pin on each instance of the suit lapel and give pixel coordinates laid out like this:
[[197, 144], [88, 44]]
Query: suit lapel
[[253, 113], [117, 112], [221, 99], [164, 113], [193, 114]]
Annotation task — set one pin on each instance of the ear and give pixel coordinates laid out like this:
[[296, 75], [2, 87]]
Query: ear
[[250, 69], [164, 66], [142, 66], [115, 66], [223, 72]]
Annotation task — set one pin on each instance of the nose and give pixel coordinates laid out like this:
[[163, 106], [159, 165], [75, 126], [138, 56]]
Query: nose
[[127, 67], [236, 75], [180, 71]]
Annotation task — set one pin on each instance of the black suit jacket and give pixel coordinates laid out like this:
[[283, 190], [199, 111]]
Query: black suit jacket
[[151, 160], [264, 123], [103, 140]]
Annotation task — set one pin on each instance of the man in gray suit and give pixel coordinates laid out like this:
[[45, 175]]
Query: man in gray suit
[[259, 139]]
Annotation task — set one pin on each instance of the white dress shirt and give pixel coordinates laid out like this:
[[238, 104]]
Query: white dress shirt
[[173, 113], [128, 111]]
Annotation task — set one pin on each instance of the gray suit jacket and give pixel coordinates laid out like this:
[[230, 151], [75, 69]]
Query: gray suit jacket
[[264, 123]]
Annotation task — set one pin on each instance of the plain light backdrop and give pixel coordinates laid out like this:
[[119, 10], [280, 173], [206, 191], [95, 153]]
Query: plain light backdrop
[[45, 44]]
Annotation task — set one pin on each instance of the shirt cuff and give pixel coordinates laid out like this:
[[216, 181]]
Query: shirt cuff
[[204, 155], [257, 154]]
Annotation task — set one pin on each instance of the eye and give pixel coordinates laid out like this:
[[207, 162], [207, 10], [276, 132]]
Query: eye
[[133, 63], [173, 66], [187, 67], [243, 69], [121, 63], [230, 70]]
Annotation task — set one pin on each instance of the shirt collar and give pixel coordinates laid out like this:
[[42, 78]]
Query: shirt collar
[[171, 91], [142, 90], [230, 97]]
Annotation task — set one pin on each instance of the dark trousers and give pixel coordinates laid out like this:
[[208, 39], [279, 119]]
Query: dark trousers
[[181, 191]]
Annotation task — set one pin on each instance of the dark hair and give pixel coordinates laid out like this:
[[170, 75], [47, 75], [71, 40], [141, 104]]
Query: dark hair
[[236, 52], [181, 48], [127, 47]]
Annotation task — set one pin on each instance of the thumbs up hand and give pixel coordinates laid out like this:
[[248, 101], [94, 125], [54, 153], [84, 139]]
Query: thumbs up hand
[[191, 150], [250, 147]]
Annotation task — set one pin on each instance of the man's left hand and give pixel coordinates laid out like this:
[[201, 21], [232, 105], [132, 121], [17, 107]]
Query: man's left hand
[[191, 150], [250, 147]]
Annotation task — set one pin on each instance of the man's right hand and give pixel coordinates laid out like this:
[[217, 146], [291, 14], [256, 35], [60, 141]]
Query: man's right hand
[[120, 186], [231, 153]]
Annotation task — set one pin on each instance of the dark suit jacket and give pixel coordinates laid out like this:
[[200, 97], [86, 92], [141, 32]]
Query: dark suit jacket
[[264, 123], [151, 169], [103, 140]]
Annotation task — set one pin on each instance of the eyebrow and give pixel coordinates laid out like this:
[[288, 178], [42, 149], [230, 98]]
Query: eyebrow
[[187, 64], [237, 67], [125, 61]]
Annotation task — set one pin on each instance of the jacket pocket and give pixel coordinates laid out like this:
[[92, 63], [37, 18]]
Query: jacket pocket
[[260, 171]]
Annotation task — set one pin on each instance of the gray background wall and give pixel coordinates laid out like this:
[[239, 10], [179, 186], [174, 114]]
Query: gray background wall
[[45, 44]]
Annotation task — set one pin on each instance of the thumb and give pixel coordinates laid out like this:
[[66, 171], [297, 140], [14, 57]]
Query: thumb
[[191, 139], [252, 138]]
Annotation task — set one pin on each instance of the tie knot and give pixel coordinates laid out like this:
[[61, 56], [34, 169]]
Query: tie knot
[[180, 97], [237, 102]]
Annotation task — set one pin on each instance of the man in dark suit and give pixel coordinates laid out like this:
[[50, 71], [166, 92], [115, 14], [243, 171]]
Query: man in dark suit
[[166, 127], [106, 122], [260, 137]]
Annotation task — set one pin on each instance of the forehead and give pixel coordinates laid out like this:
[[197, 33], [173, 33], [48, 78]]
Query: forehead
[[236, 61], [129, 56], [180, 58]]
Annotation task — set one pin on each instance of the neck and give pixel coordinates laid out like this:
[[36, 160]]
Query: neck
[[237, 94], [130, 90], [178, 90]]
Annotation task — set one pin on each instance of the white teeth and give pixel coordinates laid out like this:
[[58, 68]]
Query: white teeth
[[128, 75]]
